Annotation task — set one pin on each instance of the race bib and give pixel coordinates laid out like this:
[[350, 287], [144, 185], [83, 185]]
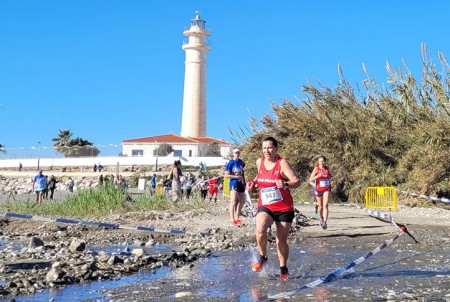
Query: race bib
[[324, 183], [270, 195]]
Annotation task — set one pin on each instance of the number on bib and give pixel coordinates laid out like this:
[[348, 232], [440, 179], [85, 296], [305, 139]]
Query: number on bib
[[270, 195], [324, 183]]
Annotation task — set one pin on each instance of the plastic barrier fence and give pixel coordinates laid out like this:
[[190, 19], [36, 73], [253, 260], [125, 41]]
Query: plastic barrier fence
[[381, 198], [226, 187]]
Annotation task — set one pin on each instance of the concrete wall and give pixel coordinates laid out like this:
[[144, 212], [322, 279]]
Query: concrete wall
[[109, 161]]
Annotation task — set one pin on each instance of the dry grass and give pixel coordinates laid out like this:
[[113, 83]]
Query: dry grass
[[372, 136]]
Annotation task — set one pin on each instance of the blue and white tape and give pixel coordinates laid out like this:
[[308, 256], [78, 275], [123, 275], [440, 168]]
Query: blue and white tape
[[441, 199], [100, 224], [383, 216], [337, 272], [307, 202], [249, 205]]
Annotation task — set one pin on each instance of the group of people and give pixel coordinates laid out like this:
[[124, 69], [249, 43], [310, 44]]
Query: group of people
[[98, 168], [42, 185], [275, 178], [181, 186]]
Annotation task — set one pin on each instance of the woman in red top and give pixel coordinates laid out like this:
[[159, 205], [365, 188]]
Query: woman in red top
[[321, 177], [275, 204], [213, 184]]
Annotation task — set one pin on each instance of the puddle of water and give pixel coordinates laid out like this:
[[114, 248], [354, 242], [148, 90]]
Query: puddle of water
[[401, 267], [91, 291], [80, 292], [389, 269]]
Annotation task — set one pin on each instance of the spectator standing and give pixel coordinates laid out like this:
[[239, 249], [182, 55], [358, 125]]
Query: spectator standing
[[20, 166], [99, 167], [122, 183], [188, 185], [235, 172], [153, 185], [213, 184], [95, 168], [70, 184], [203, 186], [167, 184], [176, 175], [39, 184]]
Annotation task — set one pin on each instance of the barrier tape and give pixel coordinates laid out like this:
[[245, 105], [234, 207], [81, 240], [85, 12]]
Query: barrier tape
[[343, 270], [249, 205], [441, 199], [100, 224], [337, 272], [381, 216], [306, 202]]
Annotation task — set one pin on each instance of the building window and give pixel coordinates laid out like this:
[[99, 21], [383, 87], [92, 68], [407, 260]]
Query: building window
[[137, 152], [190, 153]]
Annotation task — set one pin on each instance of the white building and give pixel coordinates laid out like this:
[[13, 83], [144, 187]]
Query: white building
[[182, 146]]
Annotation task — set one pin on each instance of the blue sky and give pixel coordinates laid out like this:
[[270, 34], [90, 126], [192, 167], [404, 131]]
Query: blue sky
[[113, 70]]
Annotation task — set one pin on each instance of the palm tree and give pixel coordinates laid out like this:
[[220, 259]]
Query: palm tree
[[73, 147], [63, 138], [2, 150]]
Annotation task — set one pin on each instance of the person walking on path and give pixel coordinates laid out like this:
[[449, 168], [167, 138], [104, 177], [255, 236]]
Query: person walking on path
[[321, 177], [45, 192], [39, 185], [275, 178], [52, 185], [235, 172]]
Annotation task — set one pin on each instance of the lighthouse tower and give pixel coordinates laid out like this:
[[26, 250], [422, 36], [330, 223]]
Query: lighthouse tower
[[196, 46]]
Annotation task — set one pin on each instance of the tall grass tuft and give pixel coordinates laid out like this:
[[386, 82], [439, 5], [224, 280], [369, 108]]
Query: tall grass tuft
[[397, 134], [100, 202], [91, 202]]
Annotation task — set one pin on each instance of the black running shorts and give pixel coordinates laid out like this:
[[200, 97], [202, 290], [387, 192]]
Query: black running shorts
[[278, 216]]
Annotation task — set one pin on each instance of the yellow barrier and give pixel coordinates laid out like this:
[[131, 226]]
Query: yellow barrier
[[381, 198], [226, 187]]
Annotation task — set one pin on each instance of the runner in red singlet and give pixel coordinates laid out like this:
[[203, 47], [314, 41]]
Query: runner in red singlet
[[275, 204], [321, 177]]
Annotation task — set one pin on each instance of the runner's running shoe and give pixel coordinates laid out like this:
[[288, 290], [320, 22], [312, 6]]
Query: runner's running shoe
[[234, 223], [284, 273], [324, 226], [259, 265], [238, 221]]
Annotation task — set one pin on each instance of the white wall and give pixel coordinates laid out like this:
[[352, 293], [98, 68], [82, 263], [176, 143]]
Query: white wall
[[109, 161], [148, 149]]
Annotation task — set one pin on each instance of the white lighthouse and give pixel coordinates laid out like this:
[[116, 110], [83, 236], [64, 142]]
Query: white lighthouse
[[193, 122]]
